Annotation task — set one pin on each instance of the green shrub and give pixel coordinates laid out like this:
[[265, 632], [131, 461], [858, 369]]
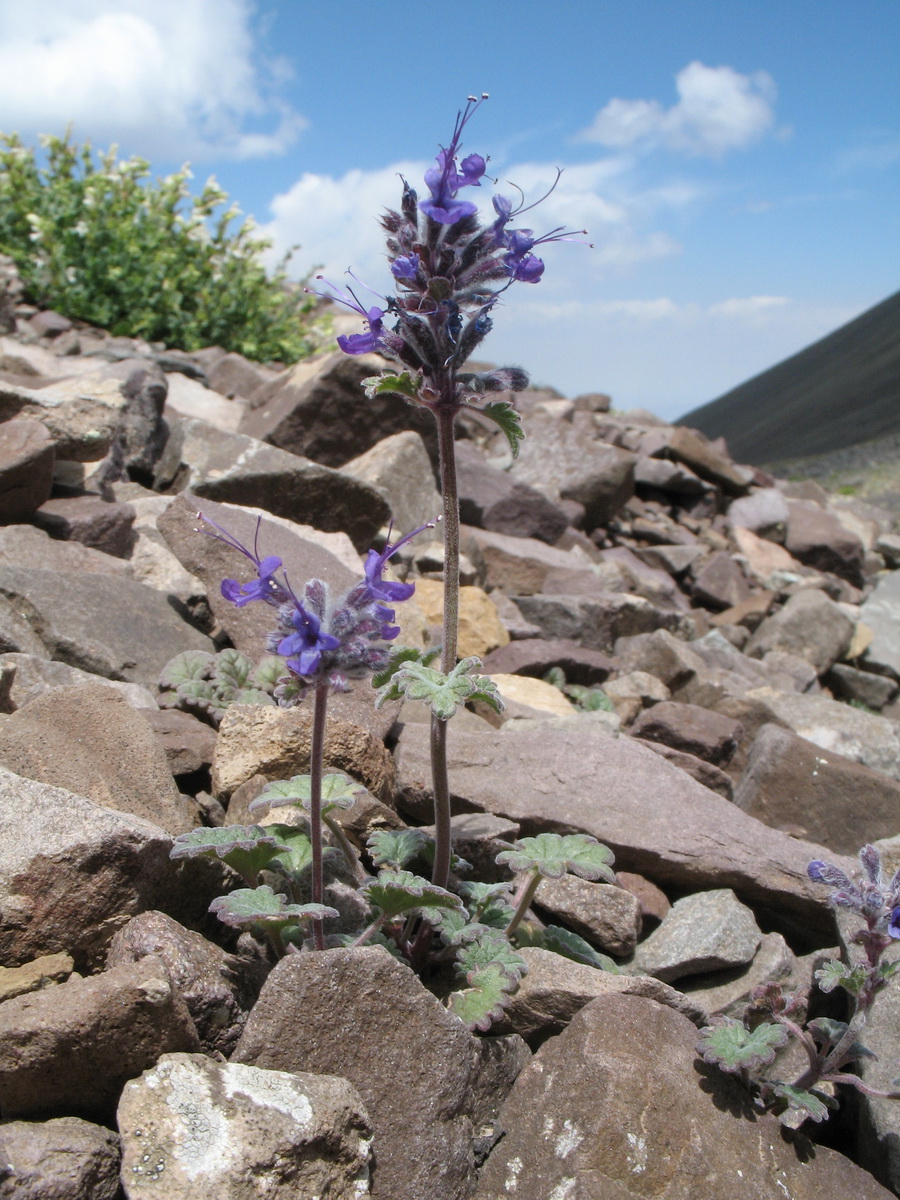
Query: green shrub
[[101, 243]]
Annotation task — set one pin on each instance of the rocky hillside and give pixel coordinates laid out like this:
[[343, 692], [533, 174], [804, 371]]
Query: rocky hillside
[[842, 390], [700, 664]]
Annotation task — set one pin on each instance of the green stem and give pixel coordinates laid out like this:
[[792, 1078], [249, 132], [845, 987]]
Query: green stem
[[440, 779], [525, 897], [316, 755], [346, 847], [367, 933]]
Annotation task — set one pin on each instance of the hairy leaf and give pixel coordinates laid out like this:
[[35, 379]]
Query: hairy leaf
[[338, 791], [502, 413], [553, 854], [252, 695], [489, 949], [732, 1047], [267, 672], [456, 927], [395, 847], [834, 974], [444, 693], [483, 1001], [191, 664], [247, 849], [570, 945], [396, 892], [250, 906], [489, 903], [404, 383], [296, 857], [232, 669], [802, 1104], [400, 655]]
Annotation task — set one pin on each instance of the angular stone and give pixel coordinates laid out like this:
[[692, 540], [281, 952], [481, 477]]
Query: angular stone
[[608, 917], [791, 782], [66, 618], [49, 324], [318, 409], [491, 499], [31, 976], [729, 991], [416, 1086], [588, 1119], [698, 731], [188, 743], [524, 696], [554, 989], [764, 512], [555, 455], [598, 622], [720, 582], [61, 1159], [141, 432], [517, 565], [198, 969], [27, 456], [570, 780], [707, 931], [91, 520], [690, 447], [233, 375], [819, 539], [535, 657], [668, 658], [26, 546], [400, 468], [187, 398], [674, 559], [90, 741], [81, 415], [480, 627], [72, 1047], [152, 560], [881, 613], [810, 626], [236, 469], [710, 776], [860, 736], [275, 742], [789, 673], [663, 475], [72, 872], [35, 677], [849, 683]]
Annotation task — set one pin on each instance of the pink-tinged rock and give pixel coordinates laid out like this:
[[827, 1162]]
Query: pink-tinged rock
[[517, 565], [89, 519], [656, 819], [48, 323], [818, 538], [710, 776], [720, 582], [27, 546], [27, 456], [615, 1108], [607, 916], [810, 626], [764, 512], [70, 1049], [414, 1069], [599, 621], [690, 447], [698, 731], [61, 1159]]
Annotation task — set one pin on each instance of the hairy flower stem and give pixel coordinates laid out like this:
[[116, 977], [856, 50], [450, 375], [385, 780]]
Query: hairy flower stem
[[445, 417], [523, 900], [316, 753], [346, 847]]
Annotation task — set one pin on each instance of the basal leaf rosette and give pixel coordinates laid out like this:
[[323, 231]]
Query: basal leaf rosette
[[552, 855], [731, 1046], [396, 893], [265, 907], [338, 791], [247, 849], [396, 848], [492, 970]]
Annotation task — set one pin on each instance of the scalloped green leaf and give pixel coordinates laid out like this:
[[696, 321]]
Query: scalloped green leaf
[[826, 1030], [252, 695], [483, 1001], [489, 949], [247, 849], [190, 664], [834, 974], [802, 1105], [402, 383], [444, 693], [455, 926], [397, 892], [400, 655], [197, 691], [267, 672], [591, 699], [261, 905], [395, 847], [488, 903], [733, 1047], [504, 414], [232, 669], [296, 857], [553, 854], [570, 945], [338, 791]]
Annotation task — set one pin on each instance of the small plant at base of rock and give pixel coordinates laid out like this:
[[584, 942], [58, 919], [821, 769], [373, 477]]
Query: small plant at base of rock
[[746, 1047], [205, 684], [588, 699]]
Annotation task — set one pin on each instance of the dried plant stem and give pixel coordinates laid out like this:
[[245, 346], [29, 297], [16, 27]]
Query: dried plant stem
[[523, 900], [439, 774], [316, 754]]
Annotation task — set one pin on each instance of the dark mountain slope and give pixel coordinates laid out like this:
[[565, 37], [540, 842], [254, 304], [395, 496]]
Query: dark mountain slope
[[838, 391]]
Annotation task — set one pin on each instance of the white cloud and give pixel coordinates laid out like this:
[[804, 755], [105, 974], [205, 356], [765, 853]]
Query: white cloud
[[747, 306], [174, 78], [718, 109]]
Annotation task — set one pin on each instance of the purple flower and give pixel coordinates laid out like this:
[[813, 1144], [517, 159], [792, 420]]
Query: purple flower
[[527, 269], [894, 923], [304, 648], [263, 588], [357, 343], [405, 267], [445, 180]]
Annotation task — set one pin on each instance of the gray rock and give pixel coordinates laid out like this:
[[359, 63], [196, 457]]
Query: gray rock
[[702, 456], [90, 741], [789, 782], [517, 565], [400, 468], [233, 375], [720, 583], [81, 415], [414, 1069], [188, 743], [27, 457], [72, 872], [819, 539], [141, 432], [34, 677], [607, 916], [101, 524], [708, 931], [492, 499], [26, 546], [729, 991], [810, 626], [71, 1048], [698, 731], [656, 819], [70, 623], [598, 622], [200, 1128], [881, 613], [61, 1159], [710, 776], [589, 1119], [764, 512], [849, 683]]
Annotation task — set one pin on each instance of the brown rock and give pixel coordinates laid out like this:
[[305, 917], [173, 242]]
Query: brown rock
[[27, 457], [71, 1048], [100, 524], [26, 546], [234, 375], [819, 539], [710, 776], [608, 917], [480, 627], [62, 1159], [188, 743], [584, 1121], [698, 731], [720, 582], [34, 975], [690, 447], [599, 621], [810, 626], [516, 565], [416, 1086], [535, 656]]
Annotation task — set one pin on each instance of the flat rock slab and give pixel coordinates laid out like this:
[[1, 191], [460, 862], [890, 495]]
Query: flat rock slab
[[708, 931], [194, 1128], [657, 819], [615, 1109], [881, 612], [414, 1068], [92, 622], [72, 872]]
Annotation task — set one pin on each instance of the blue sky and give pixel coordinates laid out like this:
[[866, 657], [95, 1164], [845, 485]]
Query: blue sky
[[737, 163]]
